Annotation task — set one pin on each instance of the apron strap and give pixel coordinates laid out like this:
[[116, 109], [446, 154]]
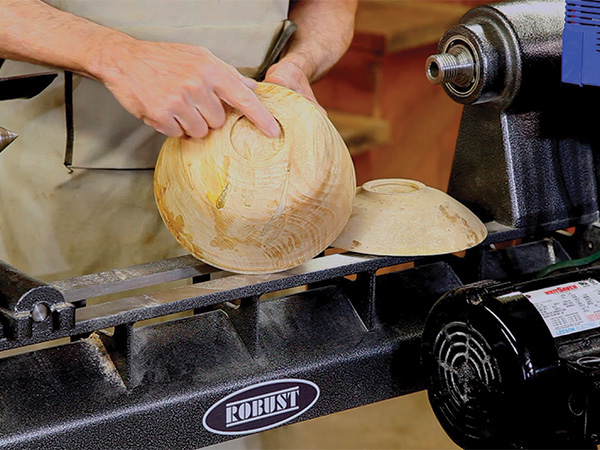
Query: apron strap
[[68, 162], [284, 36], [70, 140]]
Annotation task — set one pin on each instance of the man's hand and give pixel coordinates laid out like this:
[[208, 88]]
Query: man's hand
[[286, 73], [325, 29], [179, 89]]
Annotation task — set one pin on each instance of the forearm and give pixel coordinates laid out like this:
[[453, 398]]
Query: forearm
[[175, 88], [35, 32], [325, 30]]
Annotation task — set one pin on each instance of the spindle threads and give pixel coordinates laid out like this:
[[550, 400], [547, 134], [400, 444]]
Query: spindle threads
[[457, 66]]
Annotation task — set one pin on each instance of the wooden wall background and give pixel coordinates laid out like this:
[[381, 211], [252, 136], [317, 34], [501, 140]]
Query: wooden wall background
[[401, 126]]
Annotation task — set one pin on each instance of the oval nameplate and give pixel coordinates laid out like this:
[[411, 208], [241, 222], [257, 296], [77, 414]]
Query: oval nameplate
[[261, 406]]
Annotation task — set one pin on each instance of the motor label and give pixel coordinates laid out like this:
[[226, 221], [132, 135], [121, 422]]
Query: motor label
[[261, 406], [568, 308]]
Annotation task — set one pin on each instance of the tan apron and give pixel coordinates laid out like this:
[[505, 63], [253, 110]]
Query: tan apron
[[55, 224]]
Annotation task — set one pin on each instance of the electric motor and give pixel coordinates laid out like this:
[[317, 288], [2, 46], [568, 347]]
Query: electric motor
[[516, 366]]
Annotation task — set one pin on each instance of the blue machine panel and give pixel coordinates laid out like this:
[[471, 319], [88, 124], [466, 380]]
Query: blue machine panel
[[581, 43]]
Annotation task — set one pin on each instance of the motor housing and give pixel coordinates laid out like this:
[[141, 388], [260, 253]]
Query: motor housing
[[517, 365]]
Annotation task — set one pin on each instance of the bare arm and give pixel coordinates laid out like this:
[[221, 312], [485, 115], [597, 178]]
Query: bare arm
[[177, 89], [325, 30]]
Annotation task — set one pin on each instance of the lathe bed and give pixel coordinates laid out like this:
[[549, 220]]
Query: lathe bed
[[353, 333]]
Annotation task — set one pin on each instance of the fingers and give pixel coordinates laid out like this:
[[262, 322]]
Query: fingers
[[199, 113], [209, 107], [205, 111], [168, 126], [192, 123], [189, 87], [243, 99], [250, 83], [189, 115], [178, 119], [197, 118], [237, 91]]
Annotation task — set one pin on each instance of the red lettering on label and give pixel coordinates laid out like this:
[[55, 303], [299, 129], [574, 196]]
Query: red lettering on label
[[561, 289]]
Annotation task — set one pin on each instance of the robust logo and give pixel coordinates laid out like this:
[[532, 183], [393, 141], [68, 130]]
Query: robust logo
[[261, 406]]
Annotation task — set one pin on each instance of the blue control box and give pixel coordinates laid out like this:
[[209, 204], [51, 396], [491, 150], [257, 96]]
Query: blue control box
[[581, 43]]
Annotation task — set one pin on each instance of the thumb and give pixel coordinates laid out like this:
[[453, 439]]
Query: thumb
[[289, 75]]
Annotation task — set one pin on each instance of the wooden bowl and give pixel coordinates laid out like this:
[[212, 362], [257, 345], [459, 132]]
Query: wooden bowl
[[246, 203], [399, 217]]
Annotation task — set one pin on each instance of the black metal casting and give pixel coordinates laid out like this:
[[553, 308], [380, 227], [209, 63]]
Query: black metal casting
[[525, 152], [358, 341], [150, 386]]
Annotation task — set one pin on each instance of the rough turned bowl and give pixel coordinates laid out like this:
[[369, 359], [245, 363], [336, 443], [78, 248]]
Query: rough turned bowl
[[246, 203], [398, 217]]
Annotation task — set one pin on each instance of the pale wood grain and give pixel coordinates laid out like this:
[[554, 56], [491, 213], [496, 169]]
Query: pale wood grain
[[244, 202]]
